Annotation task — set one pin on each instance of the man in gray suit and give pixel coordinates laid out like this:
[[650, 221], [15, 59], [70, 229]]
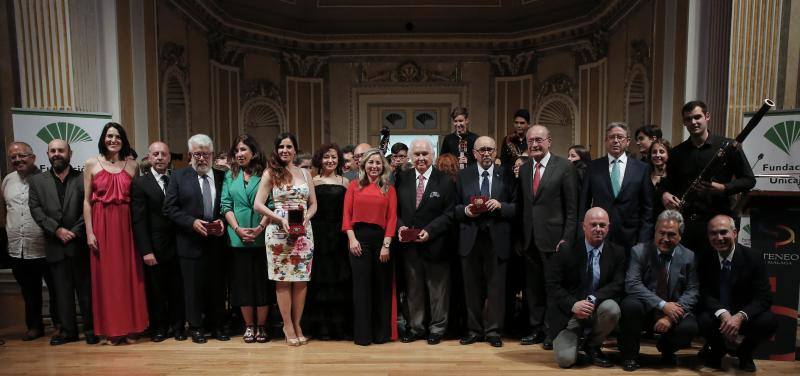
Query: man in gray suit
[[549, 198], [662, 288], [56, 203]]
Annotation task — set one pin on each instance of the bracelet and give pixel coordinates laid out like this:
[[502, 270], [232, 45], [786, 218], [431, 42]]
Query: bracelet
[[386, 245], [236, 229]]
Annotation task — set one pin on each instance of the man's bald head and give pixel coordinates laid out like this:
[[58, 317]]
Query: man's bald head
[[595, 226], [358, 152], [485, 151], [159, 157]]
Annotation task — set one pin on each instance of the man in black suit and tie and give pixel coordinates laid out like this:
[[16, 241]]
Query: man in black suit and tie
[[485, 240], [425, 199], [56, 203], [549, 198], [736, 297], [662, 289], [622, 187], [585, 283], [192, 203], [155, 241]]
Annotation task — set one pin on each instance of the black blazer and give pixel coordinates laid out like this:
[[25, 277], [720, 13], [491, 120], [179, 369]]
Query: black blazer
[[750, 286], [450, 145], [49, 214], [434, 214], [184, 203], [566, 280], [153, 231], [499, 221], [552, 215], [631, 212]]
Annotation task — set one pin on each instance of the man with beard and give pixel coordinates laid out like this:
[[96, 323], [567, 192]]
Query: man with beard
[[26, 240], [425, 200], [192, 203], [461, 134], [155, 242], [56, 203], [515, 144]]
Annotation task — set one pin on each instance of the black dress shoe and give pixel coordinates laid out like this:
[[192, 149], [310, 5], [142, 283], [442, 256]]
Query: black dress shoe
[[532, 339], [197, 336], [712, 361], [33, 334], [746, 364], [630, 365], [495, 341], [180, 335], [221, 335], [469, 339], [408, 338], [158, 336], [434, 339], [62, 339], [669, 359], [596, 357], [90, 338], [547, 344]]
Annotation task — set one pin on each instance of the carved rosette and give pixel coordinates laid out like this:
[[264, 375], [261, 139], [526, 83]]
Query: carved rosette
[[304, 66], [409, 71], [260, 89], [519, 64], [556, 84]]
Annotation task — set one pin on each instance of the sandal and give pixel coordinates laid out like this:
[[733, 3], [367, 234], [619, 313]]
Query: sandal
[[249, 334], [261, 335]]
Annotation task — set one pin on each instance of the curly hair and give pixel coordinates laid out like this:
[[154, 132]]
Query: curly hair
[[316, 160], [278, 169], [448, 164]]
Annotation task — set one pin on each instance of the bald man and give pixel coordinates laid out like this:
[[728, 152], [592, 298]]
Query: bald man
[[585, 284], [358, 152], [155, 242]]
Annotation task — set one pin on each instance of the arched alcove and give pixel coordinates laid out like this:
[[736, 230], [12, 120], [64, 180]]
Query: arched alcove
[[637, 88], [175, 110], [263, 118], [558, 113]]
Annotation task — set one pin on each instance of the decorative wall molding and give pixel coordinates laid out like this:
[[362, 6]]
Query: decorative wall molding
[[592, 49], [641, 54], [519, 64], [559, 113], [262, 106], [310, 66], [409, 71], [172, 55], [175, 89], [556, 84], [261, 89], [221, 49]]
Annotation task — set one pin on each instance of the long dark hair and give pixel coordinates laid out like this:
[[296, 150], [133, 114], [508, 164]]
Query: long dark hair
[[582, 152], [125, 151], [280, 174], [257, 163], [316, 160]]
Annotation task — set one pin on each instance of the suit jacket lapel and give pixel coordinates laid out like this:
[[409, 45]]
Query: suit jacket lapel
[[496, 182], [548, 172], [152, 183], [473, 182], [630, 170], [674, 270], [432, 181]]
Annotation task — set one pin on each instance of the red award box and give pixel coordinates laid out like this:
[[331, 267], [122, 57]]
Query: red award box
[[409, 235], [478, 204], [296, 227], [213, 227]]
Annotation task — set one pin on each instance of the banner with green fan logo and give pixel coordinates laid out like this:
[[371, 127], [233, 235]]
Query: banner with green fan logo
[[773, 149]]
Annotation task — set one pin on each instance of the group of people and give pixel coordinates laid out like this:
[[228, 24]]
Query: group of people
[[354, 231]]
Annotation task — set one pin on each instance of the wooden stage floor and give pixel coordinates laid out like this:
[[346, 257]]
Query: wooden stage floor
[[318, 358]]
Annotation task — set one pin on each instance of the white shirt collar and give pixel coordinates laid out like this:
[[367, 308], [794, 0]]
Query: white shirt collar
[[490, 170], [156, 174], [544, 160], [427, 173], [589, 247], [729, 258], [622, 158]]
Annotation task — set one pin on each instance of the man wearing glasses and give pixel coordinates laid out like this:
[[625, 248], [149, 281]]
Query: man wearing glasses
[[622, 187], [192, 202], [358, 152]]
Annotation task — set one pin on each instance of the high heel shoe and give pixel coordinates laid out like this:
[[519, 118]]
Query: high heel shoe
[[291, 341], [303, 340]]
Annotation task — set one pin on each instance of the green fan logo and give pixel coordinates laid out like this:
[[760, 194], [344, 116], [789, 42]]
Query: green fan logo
[[65, 131], [747, 229], [784, 135]]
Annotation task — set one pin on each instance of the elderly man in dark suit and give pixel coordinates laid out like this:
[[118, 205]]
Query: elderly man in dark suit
[[736, 297], [622, 187], [585, 283], [548, 192], [56, 203], [192, 203], [425, 199], [155, 242], [662, 289], [485, 240]]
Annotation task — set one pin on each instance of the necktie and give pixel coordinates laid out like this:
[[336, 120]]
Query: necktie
[[590, 273], [663, 277], [420, 189], [208, 204], [165, 181], [537, 176], [485, 184], [725, 284], [615, 180]]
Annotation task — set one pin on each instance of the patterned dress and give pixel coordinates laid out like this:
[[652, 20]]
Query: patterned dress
[[289, 259]]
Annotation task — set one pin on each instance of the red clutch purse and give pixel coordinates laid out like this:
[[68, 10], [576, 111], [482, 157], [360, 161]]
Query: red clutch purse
[[478, 204], [295, 219], [409, 235]]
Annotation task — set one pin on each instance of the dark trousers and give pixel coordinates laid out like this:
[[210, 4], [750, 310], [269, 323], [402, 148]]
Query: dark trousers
[[484, 281], [755, 331], [72, 276], [695, 236], [427, 286], [536, 263], [372, 288], [635, 318], [29, 274], [204, 289], [165, 295]]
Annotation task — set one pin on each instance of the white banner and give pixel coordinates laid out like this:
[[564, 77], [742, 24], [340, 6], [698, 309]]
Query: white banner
[[773, 150], [80, 129]]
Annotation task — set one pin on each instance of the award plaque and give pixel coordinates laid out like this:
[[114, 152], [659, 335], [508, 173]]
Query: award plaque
[[213, 227], [478, 204], [295, 219], [409, 235]]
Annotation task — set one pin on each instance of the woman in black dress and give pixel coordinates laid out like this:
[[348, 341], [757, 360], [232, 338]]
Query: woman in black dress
[[330, 300]]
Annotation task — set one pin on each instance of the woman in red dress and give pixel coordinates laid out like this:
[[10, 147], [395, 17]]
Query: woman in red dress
[[118, 293]]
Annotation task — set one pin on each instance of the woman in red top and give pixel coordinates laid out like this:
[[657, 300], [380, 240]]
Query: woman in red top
[[370, 220]]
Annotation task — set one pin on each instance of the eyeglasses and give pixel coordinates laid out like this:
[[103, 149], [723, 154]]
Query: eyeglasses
[[537, 140], [486, 150], [18, 156], [617, 137], [201, 155]]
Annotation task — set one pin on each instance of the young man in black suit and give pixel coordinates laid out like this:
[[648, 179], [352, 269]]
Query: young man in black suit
[[461, 134], [192, 203], [155, 242], [736, 297], [485, 240], [425, 199]]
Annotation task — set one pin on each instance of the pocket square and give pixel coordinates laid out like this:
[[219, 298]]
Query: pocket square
[[434, 194]]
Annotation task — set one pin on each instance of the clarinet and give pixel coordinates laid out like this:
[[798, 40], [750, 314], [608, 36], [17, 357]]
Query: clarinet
[[462, 150], [718, 161]]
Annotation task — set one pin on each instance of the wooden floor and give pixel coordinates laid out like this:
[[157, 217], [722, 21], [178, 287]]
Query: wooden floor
[[317, 358]]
